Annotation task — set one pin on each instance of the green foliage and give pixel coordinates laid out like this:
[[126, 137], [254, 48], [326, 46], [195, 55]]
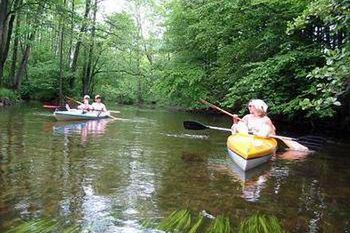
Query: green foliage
[[219, 40], [124, 92], [294, 53], [181, 84], [42, 83], [331, 81], [233, 51], [273, 80], [9, 95]]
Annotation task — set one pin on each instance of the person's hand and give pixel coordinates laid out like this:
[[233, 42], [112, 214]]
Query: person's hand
[[236, 118]]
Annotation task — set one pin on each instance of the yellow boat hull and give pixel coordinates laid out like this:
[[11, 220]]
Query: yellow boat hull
[[249, 151]]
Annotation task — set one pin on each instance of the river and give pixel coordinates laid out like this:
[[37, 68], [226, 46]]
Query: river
[[112, 176]]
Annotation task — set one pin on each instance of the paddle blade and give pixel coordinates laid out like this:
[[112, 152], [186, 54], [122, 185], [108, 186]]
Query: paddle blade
[[192, 125], [313, 142]]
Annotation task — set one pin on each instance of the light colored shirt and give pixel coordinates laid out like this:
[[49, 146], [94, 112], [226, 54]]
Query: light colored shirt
[[85, 107], [99, 107], [258, 126]]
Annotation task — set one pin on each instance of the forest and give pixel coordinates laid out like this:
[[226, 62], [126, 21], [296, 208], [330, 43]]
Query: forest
[[294, 54]]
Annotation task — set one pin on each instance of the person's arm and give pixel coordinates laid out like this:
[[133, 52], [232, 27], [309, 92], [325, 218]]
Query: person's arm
[[266, 128], [273, 128]]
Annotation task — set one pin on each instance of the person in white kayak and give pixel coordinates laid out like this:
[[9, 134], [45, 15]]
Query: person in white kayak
[[256, 122], [85, 106], [98, 105]]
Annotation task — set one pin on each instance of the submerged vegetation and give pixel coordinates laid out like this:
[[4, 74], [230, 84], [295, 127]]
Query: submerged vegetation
[[185, 221], [178, 221], [43, 226]]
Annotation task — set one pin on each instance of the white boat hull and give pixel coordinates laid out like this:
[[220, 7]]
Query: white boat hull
[[78, 115], [246, 164]]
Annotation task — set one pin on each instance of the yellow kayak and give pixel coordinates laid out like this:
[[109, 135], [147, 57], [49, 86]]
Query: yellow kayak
[[249, 151]]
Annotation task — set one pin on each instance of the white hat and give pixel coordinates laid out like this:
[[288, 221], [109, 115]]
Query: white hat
[[259, 104], [86, 97]]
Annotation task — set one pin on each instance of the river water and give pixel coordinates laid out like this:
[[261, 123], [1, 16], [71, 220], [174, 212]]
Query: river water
[[111, 176]]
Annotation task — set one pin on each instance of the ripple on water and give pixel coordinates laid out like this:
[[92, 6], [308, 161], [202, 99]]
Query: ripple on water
[[190, 136]]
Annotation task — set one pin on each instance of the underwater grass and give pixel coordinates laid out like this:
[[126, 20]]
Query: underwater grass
[[221, 224], [186, 222], [197, 225], [177, 221], [260, 223], [43, 226]]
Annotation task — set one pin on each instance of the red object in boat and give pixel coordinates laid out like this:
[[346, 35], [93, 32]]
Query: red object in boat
[[51, 106]]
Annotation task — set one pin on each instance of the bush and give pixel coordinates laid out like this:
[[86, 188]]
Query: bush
[[8, 96]]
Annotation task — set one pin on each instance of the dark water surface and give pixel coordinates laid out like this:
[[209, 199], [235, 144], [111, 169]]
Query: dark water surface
[[111, 176]]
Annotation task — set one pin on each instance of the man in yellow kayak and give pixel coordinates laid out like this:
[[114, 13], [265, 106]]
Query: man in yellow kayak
[[256, 121]]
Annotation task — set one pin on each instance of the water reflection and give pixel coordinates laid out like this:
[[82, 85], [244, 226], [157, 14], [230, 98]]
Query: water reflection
[[293, 155], [252, 181], [86, 129]]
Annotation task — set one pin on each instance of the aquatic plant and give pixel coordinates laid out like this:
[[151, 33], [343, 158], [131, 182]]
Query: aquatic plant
[[221, 224], [177, 221], [43, 226], [184, 221], [260, 223]]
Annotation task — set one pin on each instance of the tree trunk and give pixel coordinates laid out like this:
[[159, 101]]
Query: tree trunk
[[78, 44], [24, 62], [69, 55], [15, 53], [88, 72], [6, 26], [3, 34], [27, 51], [62, 28]]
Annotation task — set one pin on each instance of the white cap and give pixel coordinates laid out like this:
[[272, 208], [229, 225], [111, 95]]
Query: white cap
[[259, 104], [86, 97]]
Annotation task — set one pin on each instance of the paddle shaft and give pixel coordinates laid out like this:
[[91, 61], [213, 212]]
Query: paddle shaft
[[216, 107], [270, 136], [78, 102]]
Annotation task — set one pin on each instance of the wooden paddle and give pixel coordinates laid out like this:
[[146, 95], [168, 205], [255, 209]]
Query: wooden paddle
[[78, 102], [291, 143], [313, 142]]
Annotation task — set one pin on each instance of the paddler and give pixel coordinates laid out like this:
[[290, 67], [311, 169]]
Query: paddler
[[256, 122], [85, 106], [98, 105]]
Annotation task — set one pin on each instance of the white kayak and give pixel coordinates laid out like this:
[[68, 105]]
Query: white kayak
[[75, 114]]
